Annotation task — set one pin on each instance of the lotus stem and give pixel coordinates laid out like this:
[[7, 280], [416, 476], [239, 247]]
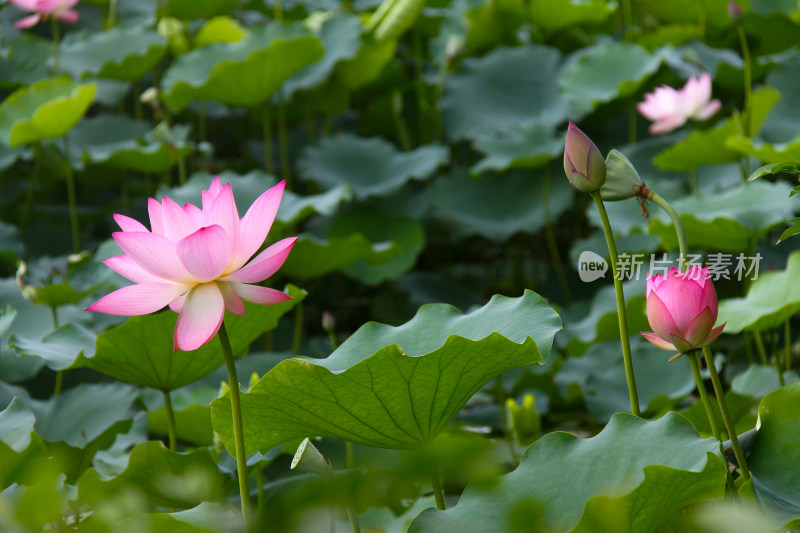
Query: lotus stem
[[748, 89], [622, 317], [694, 361], [73, 203], [298, 328], [787, 357], [353, 517], [438, 493], [259, 489], [238, 428], [726, 417], [283, 142], [59, 382], [676, 221], [552, 248], [762, 353], [171, 430], [350, 462]]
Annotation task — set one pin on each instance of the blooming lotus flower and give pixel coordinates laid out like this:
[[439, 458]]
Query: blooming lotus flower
[[583, 163], [61, 9], [196, 261], [670, 109], [682, 310]]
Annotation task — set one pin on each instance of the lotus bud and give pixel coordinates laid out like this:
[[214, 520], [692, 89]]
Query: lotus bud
[[583, 163], [682, 310], [328, 322], [524, 420], [622, 180], [734, 11]]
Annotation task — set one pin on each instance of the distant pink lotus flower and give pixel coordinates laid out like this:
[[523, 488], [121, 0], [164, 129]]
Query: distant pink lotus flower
[[194, 261], [682, 309], [42, 9], [670, 109]]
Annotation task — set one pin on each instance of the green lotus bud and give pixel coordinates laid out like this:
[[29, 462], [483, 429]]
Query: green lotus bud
[[622, 180], [524, 420], [583, 163], [174, 31]]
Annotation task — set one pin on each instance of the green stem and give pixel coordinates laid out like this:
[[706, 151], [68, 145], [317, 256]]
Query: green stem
[[676, 221], [438, 493], [26, 210], [238, 429], [111, 19], [56, 43], [350, 455], [283, 142], [694, 361], [59, 382], [202, 127], [397, 113], [278, 12], [181, 169], [787, 358], [73, 204], [627, 19], [137, 102], [762, 353], [298, 328], [171, 429], [266, 128], [695, 185], [423, 132], [748, 89], [353, 517], [726, 417], [622, 317], [550, 238]]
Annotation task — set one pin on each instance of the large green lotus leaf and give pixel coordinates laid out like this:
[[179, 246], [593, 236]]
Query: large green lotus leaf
[[731, 221], [21, 450], [393, 18], [612, 482], [44, 110], [759, 380], [192, 416], [600, 374], [605, 72], [505, 88], [529, 146], [715, 12], [220, 29], [248, 187], [60, 348], [774, 459], [117, 141], [373, 167], [393, 387], [366, 66], [407, 232], [701, 147], [141, 351], [554, 15], [766, 152], [772, 299], [313, 257], [497, 206], [29, 320], [121, 53], [163, 477], [341, 37], [669, 35], [82, 414], [195, 9], [23, 60], [600, 323], [243, 73]]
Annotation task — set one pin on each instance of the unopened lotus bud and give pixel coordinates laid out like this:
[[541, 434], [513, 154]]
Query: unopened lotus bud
[[308, 459], [149, 95], [172, 29], [734, 11], [583, 163], [524, 420], [328, 321], [622, 180]]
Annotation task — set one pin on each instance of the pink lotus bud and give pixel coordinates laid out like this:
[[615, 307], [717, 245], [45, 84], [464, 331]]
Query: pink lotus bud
[[734, 11], [682, 310], [584, 165]]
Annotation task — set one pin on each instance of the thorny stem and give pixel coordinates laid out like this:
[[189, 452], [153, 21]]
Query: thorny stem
[[726, 416], [238, 429], [622, 317]]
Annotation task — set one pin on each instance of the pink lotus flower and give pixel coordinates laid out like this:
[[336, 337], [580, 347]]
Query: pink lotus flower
[[584, 165], [682, 309], [61, 9], [194, 261], [670, 109]]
